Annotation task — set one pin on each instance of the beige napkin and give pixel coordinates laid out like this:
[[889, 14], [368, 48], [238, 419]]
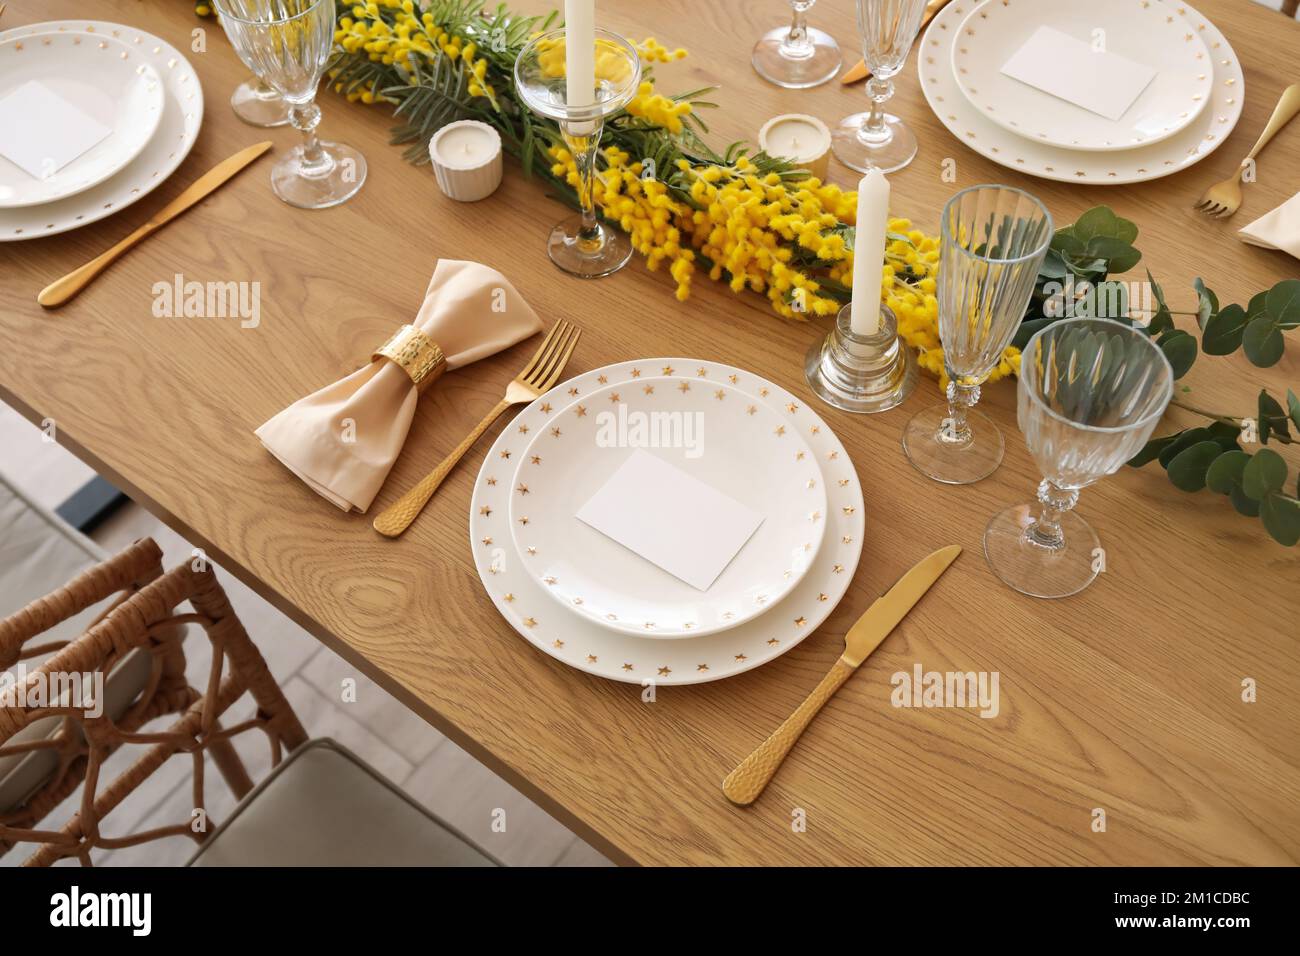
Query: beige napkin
[[1279, 229], [343, 439]]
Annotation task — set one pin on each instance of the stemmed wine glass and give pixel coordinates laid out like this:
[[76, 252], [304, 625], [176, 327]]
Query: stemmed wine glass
[[992, 241], [797, 56], [287, 43], [257, 104], [582, 246], [876, 138], [1091, 392]]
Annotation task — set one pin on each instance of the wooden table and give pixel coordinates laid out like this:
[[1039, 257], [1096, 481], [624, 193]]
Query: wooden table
[[1126, 697]]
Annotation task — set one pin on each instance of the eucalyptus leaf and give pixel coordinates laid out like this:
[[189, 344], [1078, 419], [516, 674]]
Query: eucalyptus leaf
[[1281, 517], [1180, 348], [1222, 334], [1163, 319], [1152, 449], [1187, 470], [1270, 418], [1207, 303], [1262, 341], [1119, 255], [1224, 473], [1184, 439], [1244, 504], [1264, 474], [1283, 301], [1293, 406], [1097, 221]]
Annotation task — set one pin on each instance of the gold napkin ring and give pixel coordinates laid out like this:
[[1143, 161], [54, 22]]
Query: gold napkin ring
[[417, 354]]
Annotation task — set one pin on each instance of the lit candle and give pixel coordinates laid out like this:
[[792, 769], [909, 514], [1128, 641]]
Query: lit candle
[[869, 252], [466, 158], [804, 140], [579, 52]]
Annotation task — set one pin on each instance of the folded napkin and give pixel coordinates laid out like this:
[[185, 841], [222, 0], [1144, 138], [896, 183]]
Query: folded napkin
[[1279, 229], [343, 439]]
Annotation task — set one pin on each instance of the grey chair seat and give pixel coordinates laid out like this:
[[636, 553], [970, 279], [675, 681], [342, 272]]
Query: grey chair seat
[[324, 806], [39, 553]]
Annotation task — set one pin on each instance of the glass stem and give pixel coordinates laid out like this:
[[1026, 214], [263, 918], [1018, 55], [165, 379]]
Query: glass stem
[[954, 429], [1045, 531], [583, 147], [264, 91], [305, 118], [879, 91], [797, 43]]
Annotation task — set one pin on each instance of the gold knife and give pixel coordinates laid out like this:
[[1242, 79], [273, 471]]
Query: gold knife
[[743, 785], [860, 72], [61, 290]]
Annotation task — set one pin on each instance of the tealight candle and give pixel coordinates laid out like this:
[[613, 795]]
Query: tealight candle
[[466, 157], [869, 252], [802, 139]]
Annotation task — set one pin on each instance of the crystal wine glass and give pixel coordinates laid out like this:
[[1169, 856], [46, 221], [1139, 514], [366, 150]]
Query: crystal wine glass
[[797, 56], [876, 138], [582, 246], [257, 104], [287, 43], [1091, 392], [992, 241]]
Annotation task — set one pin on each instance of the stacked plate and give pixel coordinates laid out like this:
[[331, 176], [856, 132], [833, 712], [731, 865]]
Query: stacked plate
[[99, 114], [592, 603], [1180, 117]]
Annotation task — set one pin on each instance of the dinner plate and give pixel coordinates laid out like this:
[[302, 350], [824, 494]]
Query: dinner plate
[[712, 431], [1149, 32], [585, 645], [170, 144], [1184, 149], [107, 80]]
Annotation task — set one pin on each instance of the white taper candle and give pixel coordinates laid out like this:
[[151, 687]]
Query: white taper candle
[[579, 52], [869, 252]]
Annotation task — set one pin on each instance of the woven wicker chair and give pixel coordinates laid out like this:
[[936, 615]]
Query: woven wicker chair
[[141, 627]]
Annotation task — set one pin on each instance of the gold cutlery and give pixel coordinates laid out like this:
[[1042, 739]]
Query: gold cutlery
[[1223, 199], [860, 72], [539, 375], [744, 784], [61, 290]]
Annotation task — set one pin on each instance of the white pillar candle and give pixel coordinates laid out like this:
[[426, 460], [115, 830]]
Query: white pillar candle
[[579, 52], [802, 139], [466, 158], [869, 252]]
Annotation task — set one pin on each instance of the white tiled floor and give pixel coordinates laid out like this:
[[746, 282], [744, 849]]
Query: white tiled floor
[[369, 721]]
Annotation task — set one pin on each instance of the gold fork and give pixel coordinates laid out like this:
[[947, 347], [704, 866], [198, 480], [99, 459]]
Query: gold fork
[[1223, 199], [538, 376]]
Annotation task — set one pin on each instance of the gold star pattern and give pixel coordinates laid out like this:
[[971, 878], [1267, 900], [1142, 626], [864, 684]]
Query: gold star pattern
[[581, 411], [550, 580], [847, 539], [530, 621], [523, 429], [823, 597], [848, 509], [555, 433], [719, 394], [701, 372], [522, 489], [505, 454], [772, 642], [844, 482], [573, 392], [487, 542], [591, 658], [627, 667], [838, 568], [665, 671], [602, 379], [832, 456], [485, 511], [751, 410], [815, 516], [508, 598], [684, 387], [816, 429], [547, 408], [800, 621], [492, 481], [780, 430], [523, 520], [762, 393], [537, 459], [740, 658], [668, 370], [812, 483], [798, 456], [557, 643], [614, 397], [792, 408], [733, 379], [701, 667], [649, 389], [636, 373]]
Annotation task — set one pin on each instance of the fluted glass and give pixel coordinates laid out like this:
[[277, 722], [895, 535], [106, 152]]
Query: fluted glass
[[1091, 392], [992, 241]]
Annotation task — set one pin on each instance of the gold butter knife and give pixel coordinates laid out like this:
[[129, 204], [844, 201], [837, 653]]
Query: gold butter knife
[[746, 782], [860, 72], [61, 290]]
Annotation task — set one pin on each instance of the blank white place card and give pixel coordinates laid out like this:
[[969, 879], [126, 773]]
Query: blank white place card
[[672, 519], [41, 132], [1101, 82]]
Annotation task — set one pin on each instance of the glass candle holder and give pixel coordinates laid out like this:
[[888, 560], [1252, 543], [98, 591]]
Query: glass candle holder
[[861, 373], [581, 245]]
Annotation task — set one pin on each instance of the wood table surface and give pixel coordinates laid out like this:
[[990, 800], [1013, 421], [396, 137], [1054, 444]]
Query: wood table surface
[[1127, 697]]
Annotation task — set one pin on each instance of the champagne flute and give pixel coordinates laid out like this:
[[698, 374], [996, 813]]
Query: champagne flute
[[876, 138], [797, 56], [992, 241], [1091, 392], [287, 43]]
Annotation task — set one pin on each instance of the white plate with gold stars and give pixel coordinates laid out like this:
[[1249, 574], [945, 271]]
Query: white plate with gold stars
[[709, 429], [177, 130], [1142, 31], [582, 643], [1142, 163]]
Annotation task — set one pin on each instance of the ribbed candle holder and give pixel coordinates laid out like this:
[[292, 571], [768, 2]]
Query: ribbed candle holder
[[861, 373]]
